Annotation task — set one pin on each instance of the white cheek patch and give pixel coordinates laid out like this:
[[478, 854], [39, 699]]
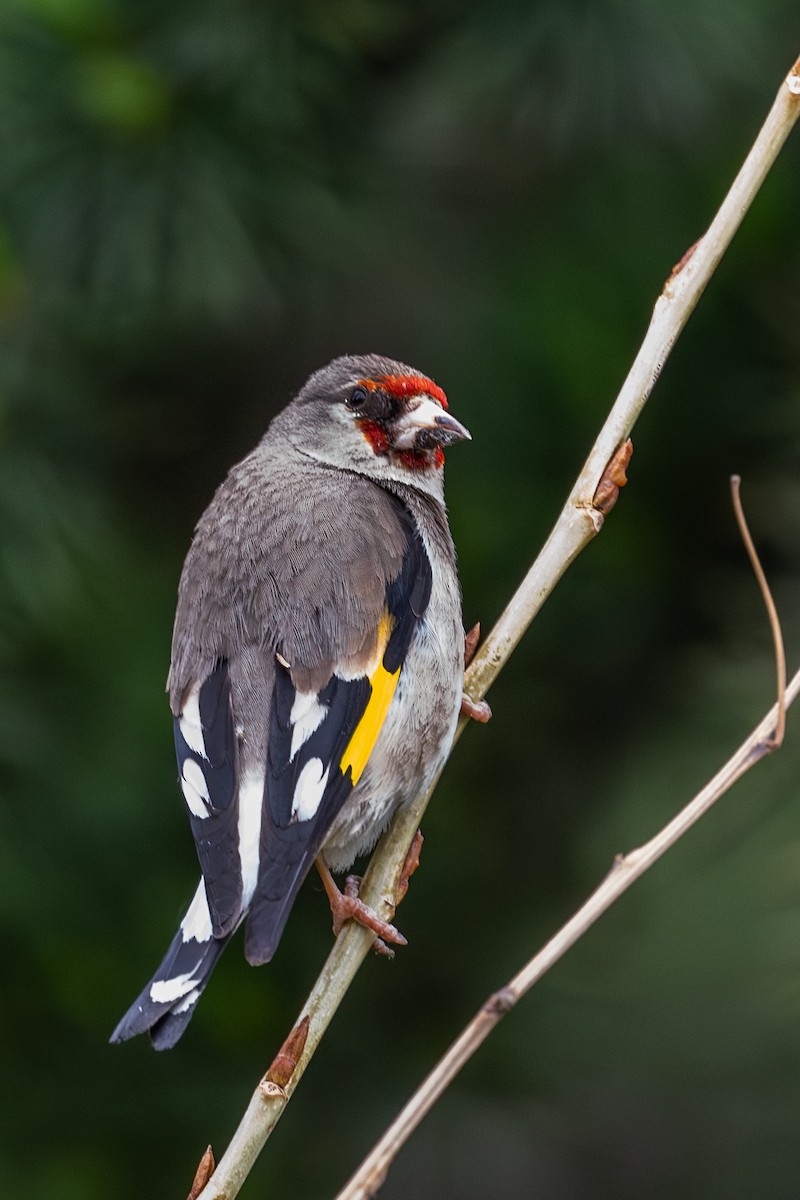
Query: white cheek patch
[[190, 725], [195, 788], [309, 790], [306, 716], [196, 925], [423, 416], [251, 797]]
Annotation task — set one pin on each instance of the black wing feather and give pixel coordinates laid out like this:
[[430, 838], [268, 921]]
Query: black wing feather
[[216, 835], [167, 1019], [407, 597], [289, 846]]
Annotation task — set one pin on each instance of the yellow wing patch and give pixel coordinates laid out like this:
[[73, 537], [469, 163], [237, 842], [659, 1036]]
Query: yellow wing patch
[[383, 687]]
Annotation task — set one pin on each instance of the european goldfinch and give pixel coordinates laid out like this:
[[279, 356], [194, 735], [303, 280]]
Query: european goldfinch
[[317, 661]]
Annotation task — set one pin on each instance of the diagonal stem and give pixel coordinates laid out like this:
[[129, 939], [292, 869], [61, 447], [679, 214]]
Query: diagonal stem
[[576, 526]]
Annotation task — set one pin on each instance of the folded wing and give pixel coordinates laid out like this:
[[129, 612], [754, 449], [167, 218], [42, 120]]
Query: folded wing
[[320, 742]]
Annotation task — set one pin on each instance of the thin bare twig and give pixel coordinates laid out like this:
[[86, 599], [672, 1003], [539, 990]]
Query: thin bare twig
[[766, 737], [769, 604], [578, 523]]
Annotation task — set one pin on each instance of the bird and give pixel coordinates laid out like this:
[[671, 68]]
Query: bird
[[317, 663]]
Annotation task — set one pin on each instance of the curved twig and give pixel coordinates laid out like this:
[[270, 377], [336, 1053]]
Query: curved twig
[[766, 737], [772, 612]]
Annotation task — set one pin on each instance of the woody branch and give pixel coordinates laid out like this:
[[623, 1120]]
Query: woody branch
[[581, 518]]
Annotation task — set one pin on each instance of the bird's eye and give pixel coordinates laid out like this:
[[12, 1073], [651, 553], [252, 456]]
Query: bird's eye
[[356, 398]]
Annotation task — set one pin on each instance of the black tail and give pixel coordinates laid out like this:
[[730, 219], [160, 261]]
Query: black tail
[[167, 1004]]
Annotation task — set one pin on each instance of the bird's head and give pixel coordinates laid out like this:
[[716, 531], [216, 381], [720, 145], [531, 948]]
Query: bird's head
[[375, 416]]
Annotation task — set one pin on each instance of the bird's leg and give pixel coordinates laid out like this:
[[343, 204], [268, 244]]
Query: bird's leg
[[409, 866], [347, 904], [478, 710]]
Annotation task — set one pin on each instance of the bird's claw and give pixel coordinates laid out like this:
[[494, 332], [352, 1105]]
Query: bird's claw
[[478, 710], [349, 906]]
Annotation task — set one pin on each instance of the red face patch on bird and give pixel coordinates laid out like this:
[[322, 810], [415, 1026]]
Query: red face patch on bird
[[405, 416], [375, 434], [401, 387]]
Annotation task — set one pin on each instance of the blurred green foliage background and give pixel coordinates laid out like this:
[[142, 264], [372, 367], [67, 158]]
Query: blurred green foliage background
[[199, 204]]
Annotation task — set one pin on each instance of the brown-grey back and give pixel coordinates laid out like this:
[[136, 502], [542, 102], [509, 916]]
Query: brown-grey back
[[289, 557]]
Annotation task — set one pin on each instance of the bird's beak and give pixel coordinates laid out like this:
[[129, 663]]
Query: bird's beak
[[426, 426]]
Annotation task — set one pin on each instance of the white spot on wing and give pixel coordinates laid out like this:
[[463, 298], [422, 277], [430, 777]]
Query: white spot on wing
[[190, 724], [194, 788], [306, 716], [165, 990], [251, 795], [308, 792], [186, 1004], [197, 922]]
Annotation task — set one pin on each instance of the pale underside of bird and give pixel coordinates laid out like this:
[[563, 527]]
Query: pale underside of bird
[[317, 660]]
